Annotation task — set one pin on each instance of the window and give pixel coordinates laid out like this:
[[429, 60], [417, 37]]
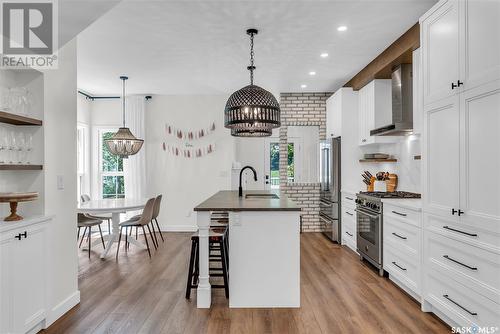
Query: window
[[81, 149], [111, 169], [274, 161]]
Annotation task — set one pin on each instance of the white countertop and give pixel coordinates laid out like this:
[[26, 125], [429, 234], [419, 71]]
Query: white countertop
[[7, 226], [409, 203]]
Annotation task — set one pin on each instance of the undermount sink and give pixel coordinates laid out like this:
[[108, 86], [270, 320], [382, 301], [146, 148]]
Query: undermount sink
[[261, 196]]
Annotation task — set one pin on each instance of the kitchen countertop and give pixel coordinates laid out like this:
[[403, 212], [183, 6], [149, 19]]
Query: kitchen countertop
[[409, 203], [227, 200]]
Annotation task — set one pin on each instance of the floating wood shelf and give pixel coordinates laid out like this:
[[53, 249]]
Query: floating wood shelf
[[20, 167], [378, 160], [6, 117]]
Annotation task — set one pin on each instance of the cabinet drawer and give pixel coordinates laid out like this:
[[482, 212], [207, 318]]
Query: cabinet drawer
[[348, 214], [401, 234], [463, 232], [477, 268], [348, 231], [348, 200], [459, 303], [403, 214], [403, 265]]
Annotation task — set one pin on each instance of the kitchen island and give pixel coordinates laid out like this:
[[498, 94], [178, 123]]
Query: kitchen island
[[264, 249]]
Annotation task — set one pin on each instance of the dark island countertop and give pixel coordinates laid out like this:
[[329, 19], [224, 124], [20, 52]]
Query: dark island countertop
[[227, 200]]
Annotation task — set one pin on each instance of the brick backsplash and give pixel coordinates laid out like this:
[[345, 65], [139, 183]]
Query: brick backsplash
[[306, 109]]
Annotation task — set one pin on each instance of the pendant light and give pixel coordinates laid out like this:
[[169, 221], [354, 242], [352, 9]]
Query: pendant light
[[252, 111], [123, 143]]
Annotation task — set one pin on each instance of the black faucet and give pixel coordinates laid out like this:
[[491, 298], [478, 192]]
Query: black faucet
[[240, 189]]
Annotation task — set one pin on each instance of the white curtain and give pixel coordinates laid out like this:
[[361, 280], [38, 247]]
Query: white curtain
[[135, 165]]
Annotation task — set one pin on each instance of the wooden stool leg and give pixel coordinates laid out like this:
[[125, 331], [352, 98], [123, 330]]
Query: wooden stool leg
[[224, 268], [146, 238], [102, 238], [159, 231], [119, 240], [189, 285], [90, 239], [83, 236]]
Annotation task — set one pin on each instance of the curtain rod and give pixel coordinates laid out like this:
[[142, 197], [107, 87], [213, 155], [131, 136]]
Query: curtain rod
[[92, 98]]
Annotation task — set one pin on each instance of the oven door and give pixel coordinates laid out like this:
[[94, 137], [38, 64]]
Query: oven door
[[369, 234]]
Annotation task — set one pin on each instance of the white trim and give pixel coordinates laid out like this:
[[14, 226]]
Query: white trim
[[64, 306], [179, 228]]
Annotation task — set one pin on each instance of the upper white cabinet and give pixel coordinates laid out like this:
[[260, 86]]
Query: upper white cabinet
[[375, 110], [417, 92], [334, 115], [460, 47]]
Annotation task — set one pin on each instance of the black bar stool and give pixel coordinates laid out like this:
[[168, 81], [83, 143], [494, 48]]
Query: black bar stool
[[217, 253]]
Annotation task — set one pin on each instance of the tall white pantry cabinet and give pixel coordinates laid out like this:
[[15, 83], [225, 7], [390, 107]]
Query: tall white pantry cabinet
[[460, 43]]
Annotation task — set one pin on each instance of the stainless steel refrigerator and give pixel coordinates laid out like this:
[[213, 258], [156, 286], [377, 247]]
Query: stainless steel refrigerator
[[330, 209]]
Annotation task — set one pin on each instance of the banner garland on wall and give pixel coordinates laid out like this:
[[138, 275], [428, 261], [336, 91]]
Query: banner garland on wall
[[189, 151], [188, 134]]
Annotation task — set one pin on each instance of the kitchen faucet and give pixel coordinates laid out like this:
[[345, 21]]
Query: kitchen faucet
[[240, 189]]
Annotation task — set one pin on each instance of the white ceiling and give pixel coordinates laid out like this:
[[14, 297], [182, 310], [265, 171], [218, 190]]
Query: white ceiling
[[200, 47]]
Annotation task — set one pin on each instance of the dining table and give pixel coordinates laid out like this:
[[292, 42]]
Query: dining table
[[115, 206]]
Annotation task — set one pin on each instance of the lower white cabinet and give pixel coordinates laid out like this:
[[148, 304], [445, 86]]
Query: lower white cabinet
[[23, 278], [402, 251], [348, 216]]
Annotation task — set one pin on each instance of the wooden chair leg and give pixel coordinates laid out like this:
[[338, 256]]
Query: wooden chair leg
[[151, 235], [90, 239], [83, 236], [224, 268], [159, 231], [102, 238], [119, 240], [190, 272], [146, 238]]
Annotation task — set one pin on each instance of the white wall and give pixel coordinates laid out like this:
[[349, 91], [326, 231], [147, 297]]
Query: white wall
[[185, 182], [60, 160]]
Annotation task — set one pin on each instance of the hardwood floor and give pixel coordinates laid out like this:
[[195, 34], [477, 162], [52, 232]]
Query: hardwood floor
[[339, 294]]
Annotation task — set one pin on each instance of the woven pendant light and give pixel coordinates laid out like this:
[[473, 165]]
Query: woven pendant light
[[252, 111], [123, 143]]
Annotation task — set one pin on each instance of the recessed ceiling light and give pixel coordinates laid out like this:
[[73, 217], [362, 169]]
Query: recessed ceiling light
[[312, 73], [324, 55], [342, 28], [303, 86]]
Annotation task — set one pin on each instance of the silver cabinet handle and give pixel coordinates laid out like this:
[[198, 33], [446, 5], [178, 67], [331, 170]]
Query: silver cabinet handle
[[458, 262], [399, 213], [455, 230], [350, 214], [397, 265], [463, 308], [349, 198], [349, 234], [399, 236]]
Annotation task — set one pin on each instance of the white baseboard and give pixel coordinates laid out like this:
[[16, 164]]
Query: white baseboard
[[60, 309], [179, 228]]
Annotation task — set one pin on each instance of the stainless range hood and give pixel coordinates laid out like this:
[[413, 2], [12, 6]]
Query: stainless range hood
[[402, 104]]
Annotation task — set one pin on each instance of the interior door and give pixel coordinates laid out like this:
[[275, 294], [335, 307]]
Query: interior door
[[441, 171], [481, 42], [271, 163], [480, 157], [440, 47]]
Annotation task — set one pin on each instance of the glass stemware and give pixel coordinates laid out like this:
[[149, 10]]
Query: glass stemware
[[21, 148], [3, 146], [29, 148], [12, 147]]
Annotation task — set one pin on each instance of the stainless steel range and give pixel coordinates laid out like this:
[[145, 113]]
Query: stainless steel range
[[369, 210]]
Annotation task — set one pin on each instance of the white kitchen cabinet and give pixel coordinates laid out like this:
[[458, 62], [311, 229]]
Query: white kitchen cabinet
[[461, 155], [460, 47], [23, 278], [418, 113], [348, 215], [334, 115], [442, 149], [374, 110]]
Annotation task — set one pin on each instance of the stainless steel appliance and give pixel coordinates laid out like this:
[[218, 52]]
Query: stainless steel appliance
[[369, 221], [402, 104], [329, 212]]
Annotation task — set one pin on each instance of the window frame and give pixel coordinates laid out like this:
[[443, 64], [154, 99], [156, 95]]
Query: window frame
[[82, 168], [101, 173]]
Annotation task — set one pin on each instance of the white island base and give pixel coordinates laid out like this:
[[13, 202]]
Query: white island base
[[264, 259]]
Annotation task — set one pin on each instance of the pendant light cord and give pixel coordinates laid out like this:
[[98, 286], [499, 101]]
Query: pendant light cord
[[123, 98], [251, 68]]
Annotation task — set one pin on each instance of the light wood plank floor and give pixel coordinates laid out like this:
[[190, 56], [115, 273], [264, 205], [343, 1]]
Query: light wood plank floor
[[339, 294]]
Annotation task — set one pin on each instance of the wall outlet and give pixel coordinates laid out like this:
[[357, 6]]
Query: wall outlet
[[60, 182]]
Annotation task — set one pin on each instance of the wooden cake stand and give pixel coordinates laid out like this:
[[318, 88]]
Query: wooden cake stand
[[13, 199]]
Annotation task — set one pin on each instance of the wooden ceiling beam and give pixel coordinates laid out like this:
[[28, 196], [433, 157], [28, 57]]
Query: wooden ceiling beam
[[399, 52]]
